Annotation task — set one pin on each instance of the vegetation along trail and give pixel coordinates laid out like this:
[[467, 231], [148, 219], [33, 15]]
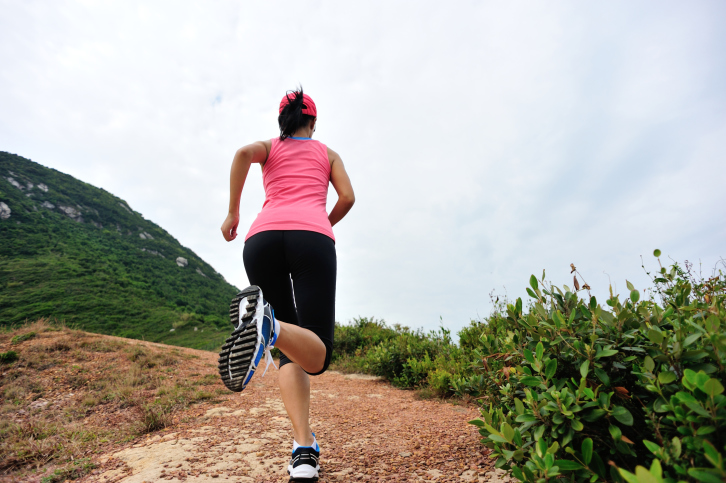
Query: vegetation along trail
[[152, 412]]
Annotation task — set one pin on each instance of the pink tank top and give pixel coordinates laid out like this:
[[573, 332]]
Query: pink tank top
[[296, 176]]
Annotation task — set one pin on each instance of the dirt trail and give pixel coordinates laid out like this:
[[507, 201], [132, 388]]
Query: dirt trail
[[368, 431]]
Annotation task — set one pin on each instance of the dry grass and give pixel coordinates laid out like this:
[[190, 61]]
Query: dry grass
[[69, 393]]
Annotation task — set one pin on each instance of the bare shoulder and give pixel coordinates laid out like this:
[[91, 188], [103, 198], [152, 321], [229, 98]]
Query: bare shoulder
[[333, 156], [256, 152]]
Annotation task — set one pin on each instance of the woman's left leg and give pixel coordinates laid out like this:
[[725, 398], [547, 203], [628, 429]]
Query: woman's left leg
[[307, 348]]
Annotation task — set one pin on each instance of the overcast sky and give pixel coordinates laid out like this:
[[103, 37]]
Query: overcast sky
[[486, 141]]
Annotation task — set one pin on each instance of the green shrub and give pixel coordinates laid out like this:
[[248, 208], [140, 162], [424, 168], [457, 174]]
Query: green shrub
[[408, 359], [23, 337], [362, 334], [8, 357], [583, 389]]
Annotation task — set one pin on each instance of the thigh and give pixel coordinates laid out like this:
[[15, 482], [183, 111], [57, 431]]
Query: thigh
[[313, 266], [266, 266]]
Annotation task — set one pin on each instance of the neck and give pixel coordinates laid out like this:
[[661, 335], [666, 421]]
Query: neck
[[303, 132]]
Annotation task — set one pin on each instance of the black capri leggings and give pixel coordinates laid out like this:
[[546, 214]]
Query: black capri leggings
[[279, 260]]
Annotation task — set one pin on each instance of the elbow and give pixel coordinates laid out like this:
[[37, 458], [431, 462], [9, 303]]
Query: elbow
[[348, 199]]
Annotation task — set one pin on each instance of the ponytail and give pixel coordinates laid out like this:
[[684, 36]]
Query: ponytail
[[292, 118]]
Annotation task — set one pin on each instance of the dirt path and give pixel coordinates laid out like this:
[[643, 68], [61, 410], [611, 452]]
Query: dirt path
[[368, 431]]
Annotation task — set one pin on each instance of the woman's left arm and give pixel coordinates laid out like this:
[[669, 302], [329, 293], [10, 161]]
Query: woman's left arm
[[243, 158]]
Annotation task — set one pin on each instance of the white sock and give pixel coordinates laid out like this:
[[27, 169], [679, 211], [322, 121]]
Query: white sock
[[277, 331], [315, 446]]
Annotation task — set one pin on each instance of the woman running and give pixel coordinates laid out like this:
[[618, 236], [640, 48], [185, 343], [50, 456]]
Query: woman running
[[290, 260]]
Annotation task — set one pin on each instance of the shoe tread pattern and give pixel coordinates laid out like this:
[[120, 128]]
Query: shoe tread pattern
[[238, 349]]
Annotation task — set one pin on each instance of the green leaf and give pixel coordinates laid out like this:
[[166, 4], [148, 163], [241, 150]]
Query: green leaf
[[554, 448], [691, 339], [712, 454], [652, 447], [530, 381], [622, 415], [655, 336], [568, 465], [615, 432], [712, 324], [628, 476], [649, 363], [606, 353], [631, 287], [602, 375], [656, 253], [533, 282], [541, 447], [594, 415], [584, 368], [577, 425], [551, 368], [477, 422], [519, 406], [703, 475], [531, 294], [676, 447], [666, 377], [713, 387], [525, 418], [508, 432], [660, 405], [528, 355], [586, 450], [635, 296], [540, 351], [497, 438], [697, 408]]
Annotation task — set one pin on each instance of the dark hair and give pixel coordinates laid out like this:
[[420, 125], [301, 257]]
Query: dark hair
[[292, 118]]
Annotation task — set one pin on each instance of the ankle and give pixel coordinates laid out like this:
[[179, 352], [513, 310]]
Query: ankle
[[305, 440]]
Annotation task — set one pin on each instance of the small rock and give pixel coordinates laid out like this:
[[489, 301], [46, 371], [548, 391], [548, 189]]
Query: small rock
[[404, 454], [182, 262], [71, 213], [48, 205], [15, 183], [43, 187], [4, 211]]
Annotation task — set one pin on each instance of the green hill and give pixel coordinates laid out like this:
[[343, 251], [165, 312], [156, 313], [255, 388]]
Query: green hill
[[74, 252]]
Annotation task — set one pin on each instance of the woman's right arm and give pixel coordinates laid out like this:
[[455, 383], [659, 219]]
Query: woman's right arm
[[341, 182], [243, 158]]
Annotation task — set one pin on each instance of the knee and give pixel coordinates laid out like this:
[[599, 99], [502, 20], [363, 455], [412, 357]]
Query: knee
[[326, 362]]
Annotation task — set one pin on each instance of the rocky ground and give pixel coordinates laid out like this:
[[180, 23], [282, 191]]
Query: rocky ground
[[368, 430]]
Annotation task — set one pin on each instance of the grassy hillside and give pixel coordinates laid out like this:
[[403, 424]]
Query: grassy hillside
[[71, 251]]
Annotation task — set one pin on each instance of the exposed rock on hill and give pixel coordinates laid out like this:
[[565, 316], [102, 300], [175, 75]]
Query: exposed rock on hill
[[4, 211]]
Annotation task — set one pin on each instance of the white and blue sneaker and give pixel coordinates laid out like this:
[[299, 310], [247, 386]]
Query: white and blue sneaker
[[255, 333], [305, 462]]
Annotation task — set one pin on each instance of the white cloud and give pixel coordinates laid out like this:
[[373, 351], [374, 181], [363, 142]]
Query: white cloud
[[485, 141]]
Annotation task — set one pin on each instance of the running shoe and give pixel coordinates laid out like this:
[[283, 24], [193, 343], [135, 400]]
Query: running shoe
[[255, 333], [305, 463]]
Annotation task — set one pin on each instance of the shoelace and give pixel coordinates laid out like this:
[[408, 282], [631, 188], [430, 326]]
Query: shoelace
[[269, 360]]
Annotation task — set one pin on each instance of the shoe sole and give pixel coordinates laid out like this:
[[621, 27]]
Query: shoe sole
[[236, 357], [302, 479]]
